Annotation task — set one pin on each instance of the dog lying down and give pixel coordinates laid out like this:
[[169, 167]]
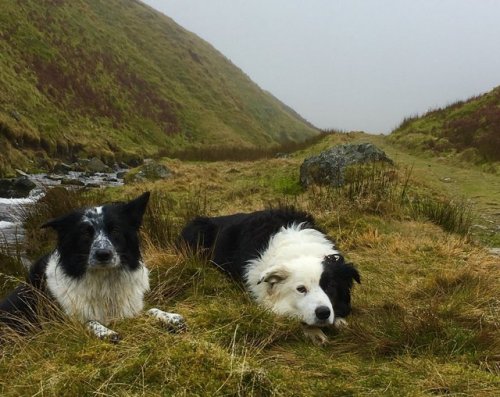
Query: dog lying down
[[95, 274], [287, 263]]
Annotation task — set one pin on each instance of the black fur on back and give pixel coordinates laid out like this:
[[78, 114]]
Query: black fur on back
[[232, 240]]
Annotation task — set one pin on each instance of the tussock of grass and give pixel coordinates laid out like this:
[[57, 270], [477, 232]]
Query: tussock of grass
[[452, 215]]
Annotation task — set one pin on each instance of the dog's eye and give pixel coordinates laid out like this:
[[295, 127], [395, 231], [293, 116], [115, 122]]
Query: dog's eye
[[302, 289], [87, 229], [115, 232]]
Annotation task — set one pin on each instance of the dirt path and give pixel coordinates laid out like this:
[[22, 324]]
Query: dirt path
[[468, 182]]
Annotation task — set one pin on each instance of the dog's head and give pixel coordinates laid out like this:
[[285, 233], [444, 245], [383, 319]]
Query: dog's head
[[100, 238], [293, 289], [337, 281]]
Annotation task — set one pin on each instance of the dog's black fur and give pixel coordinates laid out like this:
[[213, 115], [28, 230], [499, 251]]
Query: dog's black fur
[[231, 241]]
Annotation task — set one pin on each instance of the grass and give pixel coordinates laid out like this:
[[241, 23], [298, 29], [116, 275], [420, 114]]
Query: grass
[[465, 131], [425, 319], [119, 80]]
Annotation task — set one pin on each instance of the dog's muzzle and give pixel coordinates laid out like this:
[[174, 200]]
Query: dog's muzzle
[[102, 254]]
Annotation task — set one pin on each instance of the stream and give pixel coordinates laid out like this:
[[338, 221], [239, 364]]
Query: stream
[[12, 209]]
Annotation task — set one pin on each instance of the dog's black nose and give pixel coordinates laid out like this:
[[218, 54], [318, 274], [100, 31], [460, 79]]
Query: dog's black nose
[[322, 312], [103, 255]]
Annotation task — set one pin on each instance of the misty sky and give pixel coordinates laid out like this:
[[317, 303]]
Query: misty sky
[[354, 64]]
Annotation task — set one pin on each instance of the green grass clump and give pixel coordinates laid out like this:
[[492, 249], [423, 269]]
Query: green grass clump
[[453, 216]]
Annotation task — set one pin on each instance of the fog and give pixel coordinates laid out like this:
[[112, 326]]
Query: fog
[[352, 64]]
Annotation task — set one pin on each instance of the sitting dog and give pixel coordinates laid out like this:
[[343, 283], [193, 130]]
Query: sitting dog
[[95, 274], [286, 262]]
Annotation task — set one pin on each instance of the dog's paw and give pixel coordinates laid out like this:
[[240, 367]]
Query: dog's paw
[[340, 323], [316, 335], [172, 321], [113, 337], [103, 332]]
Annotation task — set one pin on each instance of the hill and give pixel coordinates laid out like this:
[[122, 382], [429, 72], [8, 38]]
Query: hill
[[469, 128], [119, 80]]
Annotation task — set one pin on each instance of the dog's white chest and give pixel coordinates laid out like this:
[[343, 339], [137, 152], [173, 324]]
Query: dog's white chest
[[102, 295]]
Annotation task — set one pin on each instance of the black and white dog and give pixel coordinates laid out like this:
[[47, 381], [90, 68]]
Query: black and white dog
[[96, 273], [287, 263]]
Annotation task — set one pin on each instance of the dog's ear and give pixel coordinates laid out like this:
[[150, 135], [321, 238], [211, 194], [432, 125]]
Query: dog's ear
[[136, 208], [334, 259], [273, 275], [343, 270], [348, 272], [60, 223], [354, 273]]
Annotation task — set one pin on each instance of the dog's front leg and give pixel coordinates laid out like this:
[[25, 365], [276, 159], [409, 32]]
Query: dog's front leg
[[173, 321], [340, 323], [317, 336], [102, 332]]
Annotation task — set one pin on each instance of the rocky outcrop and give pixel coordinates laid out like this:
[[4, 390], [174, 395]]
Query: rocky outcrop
[[328, 168]]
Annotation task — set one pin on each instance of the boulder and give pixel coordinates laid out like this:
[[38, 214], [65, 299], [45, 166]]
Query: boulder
[[152, 170], [16, 187], [121, 174], [97, 165], [328, 168]]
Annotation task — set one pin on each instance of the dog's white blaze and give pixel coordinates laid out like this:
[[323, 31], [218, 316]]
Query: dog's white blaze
[[299, 252], [102, 295], [103, 241]]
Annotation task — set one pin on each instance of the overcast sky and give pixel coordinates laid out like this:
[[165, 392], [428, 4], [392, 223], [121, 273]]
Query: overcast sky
[[354, 64]]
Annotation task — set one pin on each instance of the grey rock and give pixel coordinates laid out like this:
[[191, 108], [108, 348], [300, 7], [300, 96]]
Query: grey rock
[[97, 165], [121, 174], [16, 187], [152, 170], [22, 173], [328, 168], [54, 177], [72, 182], [62, 168]]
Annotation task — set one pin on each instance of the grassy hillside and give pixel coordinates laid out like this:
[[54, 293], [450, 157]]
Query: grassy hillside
[[470, 128], [425, 319], [116, 79]]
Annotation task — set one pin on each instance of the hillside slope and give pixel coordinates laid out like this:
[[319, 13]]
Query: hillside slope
[[471, 128], [117, 79]]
